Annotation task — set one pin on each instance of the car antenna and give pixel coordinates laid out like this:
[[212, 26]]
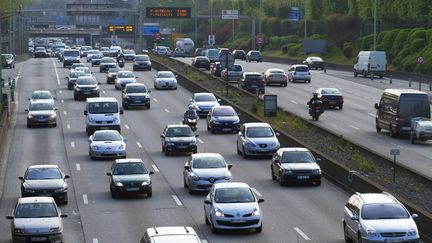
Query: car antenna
[[154, 227], [187, 231]]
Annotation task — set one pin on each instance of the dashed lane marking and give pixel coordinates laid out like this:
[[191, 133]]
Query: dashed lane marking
[[78, 167], [155, 168], [356, 128], [65, 112], [199, 140], [301, 233], [73, 144], [68, 126], [139, 145], [62, 101], [95, 240], [85, 199], [177, 200], [127, 127], [166, 110], [56, 73], [256, 192], [294, 102], [155, 100]]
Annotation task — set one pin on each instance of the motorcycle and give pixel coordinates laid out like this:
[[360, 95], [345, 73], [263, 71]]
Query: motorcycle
[[192, 122], [121, 63], [315, 109]]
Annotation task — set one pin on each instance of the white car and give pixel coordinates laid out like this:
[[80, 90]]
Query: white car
[[165, 80], [36, 219], [257, 139], [91, 53], [42, 95], [232, 205], [421, 129], [203, 102], [107, 144], [86, 70], [123, 78]]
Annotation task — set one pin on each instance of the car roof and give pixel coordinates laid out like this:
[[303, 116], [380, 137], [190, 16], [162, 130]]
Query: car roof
[[35, 200], [142, 55], [223, 107], [371, 198], [401, 91], [176, 125], [159, 72], [203, 93], [125, 71], [252, 73], [135, 84], [299, 65], [170, 230], [256, 124], [128, 160], [294, 149], [231, 185], [275, 69], [106, 131], [201, 155], [41, 91], [42, 166], [98, 99], [42, 101]]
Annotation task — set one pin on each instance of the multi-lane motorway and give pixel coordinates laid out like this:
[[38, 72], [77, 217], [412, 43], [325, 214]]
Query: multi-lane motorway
[[291, 214], [356, 121]]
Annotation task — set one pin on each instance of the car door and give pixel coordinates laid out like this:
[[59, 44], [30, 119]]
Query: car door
[[208, 207], [351, 209], [276, 165], [240, 138], [187, 172], [209, 115]]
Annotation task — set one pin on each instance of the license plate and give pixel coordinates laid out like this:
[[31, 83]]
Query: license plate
[[226, 129], [132, 189], [104, 128], [238, 221], [393, 240], [182, 146], [38, 239], [137, 101], [332, 103], [87, 92], [302, 177]]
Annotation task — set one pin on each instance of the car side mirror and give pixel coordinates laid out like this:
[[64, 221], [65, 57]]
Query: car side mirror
[[318, 159], [187, 167], [151, 172], [207, 202], [67, 176], [230, 166], [377, 106], [277, 134], [27, 110], [98, 83], [21, 178], [414, 215], [28, 98], [149, 91], [260, 200], [67, 77], [63, 215], [121, 111], [197, 135], [56, 109], [190, 100], [354, 217], [162, 136], [89, 139], [108, 174], [54, 98], [85, 113], [219, 100], [9, 217]]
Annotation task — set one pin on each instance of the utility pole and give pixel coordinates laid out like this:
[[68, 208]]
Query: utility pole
[[375, 25], [305, 21], [140, 27], [1, 76], [196, 22]]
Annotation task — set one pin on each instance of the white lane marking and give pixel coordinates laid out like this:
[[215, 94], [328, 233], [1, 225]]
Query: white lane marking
[[139, 145], [56, 73], [62, 101], [301, 233], [204, 241], [199, 140], [127, 127], [78, 167], [85, 199], [397, 145], [155, 168], [154, 99], [103, 91], [166, 110], [73, 144], [60, 91], [293, 101], [95, 240], [356, 128], [256, 192], [65, 112], [177, 200], [68, 126], [371, 114]]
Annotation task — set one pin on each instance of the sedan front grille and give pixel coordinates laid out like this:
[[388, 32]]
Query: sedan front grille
[[238, 224], [263, 145], [393, 234]]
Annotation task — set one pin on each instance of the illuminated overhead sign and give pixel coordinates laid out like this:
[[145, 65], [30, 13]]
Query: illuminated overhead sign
[[168, 12], [121, 28]]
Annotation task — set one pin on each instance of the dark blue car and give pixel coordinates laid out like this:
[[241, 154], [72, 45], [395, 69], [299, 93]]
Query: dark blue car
[[223, 119]]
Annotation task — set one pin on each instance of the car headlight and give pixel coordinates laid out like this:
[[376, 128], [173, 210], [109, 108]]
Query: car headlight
[[256, 212], [191, 120], [61, 189], [77, 88], [19, 231], [194, 142], [316, 172], [250, 145], [170, 144], [126, 97], [219, 213], [91, 119], [115, 119], [145, 183], [412, 232], [55, 230], [287, 171], [109, 76], [215, 121], [275, 144], [53, 116], [371, 233], [29, 116], [118, 184], [194, 177], [121, 147], [228, 176], [94, 147]]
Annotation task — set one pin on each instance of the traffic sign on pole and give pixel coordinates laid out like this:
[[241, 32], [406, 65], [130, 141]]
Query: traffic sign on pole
[[259, 40], [157, 37], [211, 40], [226, 60], [229, 14], [419, 60]]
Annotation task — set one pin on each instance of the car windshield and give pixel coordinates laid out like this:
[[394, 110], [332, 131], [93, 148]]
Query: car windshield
[[297, 157], [141, 58], [42, 174], [36, 210], [7, 56], [175, 238], [129, 52], [208, 163], [83, 69], [41, 95], [255, 54], [165, 75], [254, 77], [40, 48], [103, 107], [302, 69], [316, 59], [129, 168], [76, 74], [135, 89], [259, 132], [234, 195], [41, 106], [114, 70], [205, 98], [384, 211], [125, 75], [77, 65], [107, 136], [330, 91], [86, 81], [107, 60], [236, 68], [276, 71], [179, 132], [224, 112], [93, 52], [71, 53]]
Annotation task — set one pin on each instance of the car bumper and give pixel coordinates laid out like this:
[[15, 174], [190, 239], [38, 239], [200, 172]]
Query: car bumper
[[92, 128], [41, 122], [58, 196], [132, 189], [141, 67], [136, 102], [332, 103], [108, 153], [70, 62], [87, 94], [237, 223], [166, 85], [181, 148], [260, 152], [225, 127], [303, 78], [25, 238], [204, 185], [391, 239], [300, 178]]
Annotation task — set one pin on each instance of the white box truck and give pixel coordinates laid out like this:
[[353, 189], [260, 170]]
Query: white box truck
[[370, 63]]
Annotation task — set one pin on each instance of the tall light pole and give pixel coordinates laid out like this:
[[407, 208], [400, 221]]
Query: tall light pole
[[259, 22], [196, 22], [305, 21], [211, 21], [375, 25]]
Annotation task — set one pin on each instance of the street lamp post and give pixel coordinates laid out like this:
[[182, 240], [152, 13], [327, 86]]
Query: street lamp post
[[375, 24]]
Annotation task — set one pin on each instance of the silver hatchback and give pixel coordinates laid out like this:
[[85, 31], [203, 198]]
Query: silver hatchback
[[299, 72]]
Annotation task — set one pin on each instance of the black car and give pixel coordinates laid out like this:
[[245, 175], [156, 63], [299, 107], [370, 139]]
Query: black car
[[112, 74], [223, 119], [331, 97], [216, 69], [45, 180], [8, 60], [130, 176], [199, 52], [252, 82], [314, 63], [85, 87], [201, 62], [239, 54], [135, 94], [142, 62], [178, 138]]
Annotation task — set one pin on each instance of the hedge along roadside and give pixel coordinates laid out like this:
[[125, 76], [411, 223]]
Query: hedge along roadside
[[332, 170]]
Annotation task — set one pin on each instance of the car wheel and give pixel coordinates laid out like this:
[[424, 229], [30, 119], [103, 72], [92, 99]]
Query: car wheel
[[125, 106], [272, 174], [238, 150], [318, 183], [244, 153], [340, 107], [191, 191], [64, 65], [92, 157], [359, 238], [150, 194], [212, 131], [55, 125], [148, 106], [65, 202], [29, 126], [185, 185], [113, 194], [281, 181], [206, 220], [259, 229], [92, 65], [166, 152], [412, 138], [213, 228], [346, 236], [391, 133]]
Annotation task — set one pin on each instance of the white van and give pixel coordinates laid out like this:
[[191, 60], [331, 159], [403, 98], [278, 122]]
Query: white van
[[102, 113], [370, 62], [213, 55]]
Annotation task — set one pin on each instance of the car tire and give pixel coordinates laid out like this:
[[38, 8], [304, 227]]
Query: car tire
[[212, 131], [166, 152], [150, 194], [317, 183], [391, 133], [92, 65], [148, 106], [113, 194], [29, 126], [340, 107], [214, 230], [259, 229], [245, 156], [64, 66], [65, 202], [206, 220], [272, 174], [191, 191], [185, 185], [238, 150], [281, 181], [412, 138], [346, 237], [359, 238]]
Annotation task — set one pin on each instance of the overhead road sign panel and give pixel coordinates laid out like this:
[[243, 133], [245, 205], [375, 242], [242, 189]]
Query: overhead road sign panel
[[168, 12], [230, 14], [294, 14]]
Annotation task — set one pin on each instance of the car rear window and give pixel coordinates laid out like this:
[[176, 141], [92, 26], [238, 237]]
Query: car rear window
[[103, 107], [253, 77], [414, 106], [297, 157], [175, 238], [302, 69]]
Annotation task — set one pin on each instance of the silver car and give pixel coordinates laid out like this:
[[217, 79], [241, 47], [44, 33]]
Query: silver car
[[123, 78], [203, 102], [299, 72], [202, 170], [42, 95], [257, 138], [232, 205], [165, 80], [107, 144], [36, 219], [378, 217]]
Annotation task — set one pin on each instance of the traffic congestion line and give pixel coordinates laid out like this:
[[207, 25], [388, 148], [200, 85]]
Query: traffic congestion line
[[155, 168], [78, 167], [301, 233], [85, 199], [177, 200]]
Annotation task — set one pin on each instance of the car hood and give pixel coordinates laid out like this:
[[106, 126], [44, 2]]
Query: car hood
[[131, 177], [126, 80], [166, 80], [108, 144], [37, 225], [139, 62], [299, 166], [86, 86], [267, 140], [43, 184], [104, 117], [108, 63], [206, 103], [215, 172], [180, 139], [237, 209], [390, 225], [46, 112], [227, 118], [137, 94]]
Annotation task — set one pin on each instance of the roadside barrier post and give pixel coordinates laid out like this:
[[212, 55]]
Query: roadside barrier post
[[420, 81], [325, 69], [12, 90], [372, 75], [391, 79], [409, 82], [430, 85], [394, 152]]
